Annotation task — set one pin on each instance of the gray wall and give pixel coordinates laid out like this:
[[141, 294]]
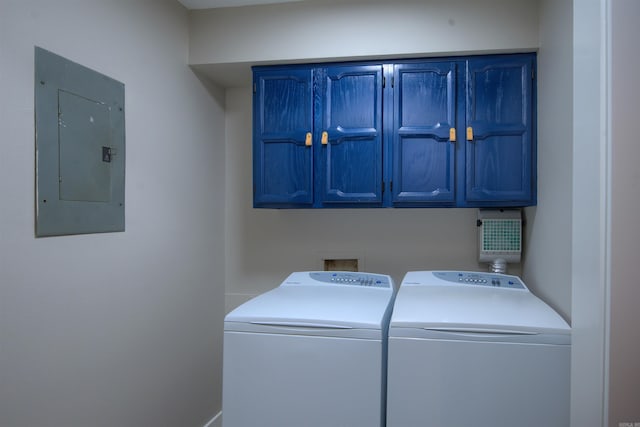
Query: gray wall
[[324, 29], [118, 329], [547, 266], [624, 350], [588, 217]]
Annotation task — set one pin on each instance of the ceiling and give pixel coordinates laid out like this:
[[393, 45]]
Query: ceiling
[[209, 4]]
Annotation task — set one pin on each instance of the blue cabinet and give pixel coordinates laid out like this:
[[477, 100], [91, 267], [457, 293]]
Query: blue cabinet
[[350, 128], [500, 151], [318, 136], [426, 113], [282, 127], [447, 132]]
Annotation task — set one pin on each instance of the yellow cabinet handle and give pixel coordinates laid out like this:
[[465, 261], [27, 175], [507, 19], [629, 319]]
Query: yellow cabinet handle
[[308, 139], [452, 134], [469, 133], [325, 138]]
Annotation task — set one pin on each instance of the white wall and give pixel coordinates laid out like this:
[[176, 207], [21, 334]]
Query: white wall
[[547, 266], [224, 42], [357, 28], [589, 190], [118, 329], [624, 360]]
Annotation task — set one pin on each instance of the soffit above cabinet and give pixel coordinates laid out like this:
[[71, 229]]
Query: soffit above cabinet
[[313, 31]]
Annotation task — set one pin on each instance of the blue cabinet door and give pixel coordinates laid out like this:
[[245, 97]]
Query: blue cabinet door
[[282, 133], [424, 133], [349, 131], [500, 152]]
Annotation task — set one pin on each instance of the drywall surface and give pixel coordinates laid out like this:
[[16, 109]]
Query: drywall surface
[[352, 28], [624, 351], [225, 42], [116, 329], [547, 266], [588, 218]]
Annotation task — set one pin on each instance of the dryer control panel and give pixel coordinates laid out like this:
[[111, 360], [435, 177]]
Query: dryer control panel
[[481, 279], [354, 279]]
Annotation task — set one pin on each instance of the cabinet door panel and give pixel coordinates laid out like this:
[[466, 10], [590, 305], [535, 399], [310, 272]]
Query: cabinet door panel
[[347, 181], [497, 165], [424, 112], [283, 116], [419, 156], [499, 158], [286, 163], [351, 161]]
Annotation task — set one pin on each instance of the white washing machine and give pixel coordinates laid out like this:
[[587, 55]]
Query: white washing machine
[[475, 349], [309, 353]]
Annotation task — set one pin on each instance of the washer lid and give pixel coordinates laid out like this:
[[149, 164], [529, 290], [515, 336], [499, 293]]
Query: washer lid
[[428, 301], [301, 306]]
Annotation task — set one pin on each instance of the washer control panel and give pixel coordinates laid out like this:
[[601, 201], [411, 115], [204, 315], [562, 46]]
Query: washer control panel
[[481, 279], [354, 279]]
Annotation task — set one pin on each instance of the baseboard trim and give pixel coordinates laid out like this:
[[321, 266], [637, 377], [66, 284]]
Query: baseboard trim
[[216, 421]]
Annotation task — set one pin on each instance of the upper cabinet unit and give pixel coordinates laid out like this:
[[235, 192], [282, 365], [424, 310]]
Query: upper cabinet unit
[[446, 132], [318, 136]]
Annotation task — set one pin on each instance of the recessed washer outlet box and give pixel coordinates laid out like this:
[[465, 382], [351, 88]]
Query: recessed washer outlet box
[[346, 264]]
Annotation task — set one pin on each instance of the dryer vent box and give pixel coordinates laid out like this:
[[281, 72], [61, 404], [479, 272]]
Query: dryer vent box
[[80, 148], [346, 264], [499, 235]]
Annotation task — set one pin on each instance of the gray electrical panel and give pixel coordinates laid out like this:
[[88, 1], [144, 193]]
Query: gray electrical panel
[[80, 148]]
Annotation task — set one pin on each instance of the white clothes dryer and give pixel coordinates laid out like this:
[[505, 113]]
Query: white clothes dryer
[[311, 352], [475, 349]]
